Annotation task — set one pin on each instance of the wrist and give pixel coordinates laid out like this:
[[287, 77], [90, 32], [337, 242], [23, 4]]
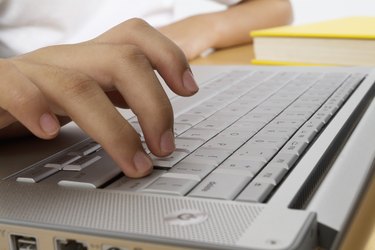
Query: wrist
[[209, 26]]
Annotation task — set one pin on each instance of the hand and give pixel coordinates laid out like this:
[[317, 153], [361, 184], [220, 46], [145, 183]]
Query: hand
[[84, 81]]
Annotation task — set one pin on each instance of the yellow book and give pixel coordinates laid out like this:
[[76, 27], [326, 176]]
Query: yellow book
[[346, 41]]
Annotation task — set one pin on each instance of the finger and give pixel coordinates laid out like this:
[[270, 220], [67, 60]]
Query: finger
[[126, 69], [164, 55], [136, 81], [86, 103], [23, 101]]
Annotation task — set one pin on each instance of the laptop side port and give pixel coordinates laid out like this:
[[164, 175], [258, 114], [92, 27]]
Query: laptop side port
[[23, 242], [109, 247], [69, 244]]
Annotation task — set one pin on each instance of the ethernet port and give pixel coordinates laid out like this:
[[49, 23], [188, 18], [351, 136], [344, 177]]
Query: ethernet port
[[22, 242], [69, 244]]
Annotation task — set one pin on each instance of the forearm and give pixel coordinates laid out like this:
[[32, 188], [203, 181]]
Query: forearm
[[227, 28], [232, 27]]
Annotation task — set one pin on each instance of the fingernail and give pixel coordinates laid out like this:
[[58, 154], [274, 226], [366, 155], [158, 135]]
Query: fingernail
[[167, 144], [49, 124], [189, 82], [142, 162]]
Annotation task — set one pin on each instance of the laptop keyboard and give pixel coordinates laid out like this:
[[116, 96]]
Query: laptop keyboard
[[236, 139]]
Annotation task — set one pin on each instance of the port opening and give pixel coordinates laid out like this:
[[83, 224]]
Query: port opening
[[69, 244], [23, 242], [109, 247]]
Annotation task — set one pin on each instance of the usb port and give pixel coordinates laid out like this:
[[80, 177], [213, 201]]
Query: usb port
[[21, 242]]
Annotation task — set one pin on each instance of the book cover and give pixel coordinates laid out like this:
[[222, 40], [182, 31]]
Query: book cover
[[345, 41]]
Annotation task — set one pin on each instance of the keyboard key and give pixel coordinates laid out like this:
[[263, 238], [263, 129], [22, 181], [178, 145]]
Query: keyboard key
[[202, 134], [285, 160], [188, 145], [329, 108], [249, 126], [245, 167], [171, 186], [255, 192], [82, 162], [260, 141], [137, 127], [239, 143], [135, 184], [225, 143], [183, 104], [235, 111], [295, 146], [220, 186], [212, 123], [63, 160], [36, 174], [189, 119], [168, 161], [322, 116], [257, 117], [199, 170], [208, 156], [296, 115], [212, 105], [271, 174], [305, 134], [93, 176], [86, 149], [232, 133], [276, 132], [254, 154], [314, 124], [285, 123], [144, 145], [205, 112], [179, 128]]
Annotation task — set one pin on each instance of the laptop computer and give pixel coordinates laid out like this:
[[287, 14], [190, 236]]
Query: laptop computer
[[266, 158]]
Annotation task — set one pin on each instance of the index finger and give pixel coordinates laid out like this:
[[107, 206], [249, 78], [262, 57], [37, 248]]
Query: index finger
[[85, 102]]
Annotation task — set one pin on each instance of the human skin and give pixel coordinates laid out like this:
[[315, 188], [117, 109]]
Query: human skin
[[42, 90], [227, 28], [84, 82]]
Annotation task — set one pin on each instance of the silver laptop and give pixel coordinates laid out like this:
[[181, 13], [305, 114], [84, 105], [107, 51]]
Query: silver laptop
[[266, 158]]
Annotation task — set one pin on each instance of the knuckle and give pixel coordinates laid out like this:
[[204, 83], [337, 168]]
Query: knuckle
[[132, 52], [172, 56], [19, 96], [6, 67], [161, 109], [129, 54], [136, 23], [18, 100], [166, 109], [77, 85]]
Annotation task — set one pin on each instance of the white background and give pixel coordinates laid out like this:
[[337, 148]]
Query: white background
[[317, 10], [304, 10]]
